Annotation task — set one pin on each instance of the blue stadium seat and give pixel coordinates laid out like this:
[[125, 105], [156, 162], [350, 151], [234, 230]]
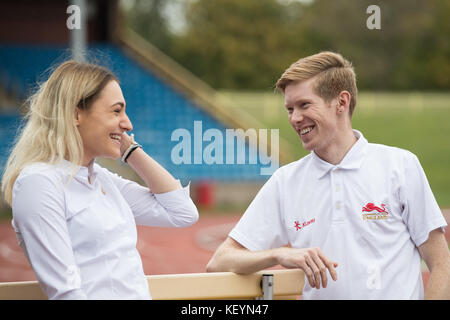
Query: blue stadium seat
[[155, 108], [9, 124]]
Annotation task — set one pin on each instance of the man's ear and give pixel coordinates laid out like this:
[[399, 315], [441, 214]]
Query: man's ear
[[343, 101]]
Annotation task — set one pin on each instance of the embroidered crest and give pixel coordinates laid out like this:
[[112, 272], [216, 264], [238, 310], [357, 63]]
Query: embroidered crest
[[372, 212]]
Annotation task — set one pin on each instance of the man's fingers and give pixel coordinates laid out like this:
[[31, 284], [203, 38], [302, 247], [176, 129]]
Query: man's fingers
[[315, 270], [330, 265], [308, 272], [322, 270], [315, 264]]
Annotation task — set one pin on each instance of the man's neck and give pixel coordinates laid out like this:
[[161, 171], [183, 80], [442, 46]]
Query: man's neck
[[336, 152]]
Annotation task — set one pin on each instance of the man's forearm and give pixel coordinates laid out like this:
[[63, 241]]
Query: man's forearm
[[241, 261], [438, 286], [435, 253]]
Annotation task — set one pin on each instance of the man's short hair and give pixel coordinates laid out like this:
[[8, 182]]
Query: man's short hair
[[333, 74]]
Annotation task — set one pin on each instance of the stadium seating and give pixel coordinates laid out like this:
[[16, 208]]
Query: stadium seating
[[9, 123], [155, 108]]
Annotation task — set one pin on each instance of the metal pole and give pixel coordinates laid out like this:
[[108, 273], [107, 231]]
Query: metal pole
[[78, 35], [267, 286]]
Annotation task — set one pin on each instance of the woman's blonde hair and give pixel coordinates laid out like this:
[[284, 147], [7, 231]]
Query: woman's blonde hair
[[50, 133], [334, 74]]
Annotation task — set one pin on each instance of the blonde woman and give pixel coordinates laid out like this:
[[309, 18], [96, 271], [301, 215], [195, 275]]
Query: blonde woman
[[76, 221]]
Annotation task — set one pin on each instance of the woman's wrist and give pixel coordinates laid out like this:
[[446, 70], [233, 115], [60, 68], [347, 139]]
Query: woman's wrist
[[129, 151], [128, 146]]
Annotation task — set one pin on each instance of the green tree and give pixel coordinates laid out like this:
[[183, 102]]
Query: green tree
[[410, 51], [146, 17], [238, 44], [247, 44]]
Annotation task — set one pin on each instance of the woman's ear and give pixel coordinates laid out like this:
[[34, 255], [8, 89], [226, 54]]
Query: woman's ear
[[77, 116]]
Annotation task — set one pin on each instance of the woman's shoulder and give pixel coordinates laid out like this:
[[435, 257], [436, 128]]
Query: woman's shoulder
[[105, 171], [38, 187], [49, 171]]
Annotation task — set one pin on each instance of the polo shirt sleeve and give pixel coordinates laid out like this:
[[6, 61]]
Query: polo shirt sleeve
[[170, 209], [421, 213], [39, 219], [261, 226]]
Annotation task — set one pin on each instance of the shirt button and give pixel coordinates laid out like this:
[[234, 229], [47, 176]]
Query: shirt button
[[338, 205], [337, 188]]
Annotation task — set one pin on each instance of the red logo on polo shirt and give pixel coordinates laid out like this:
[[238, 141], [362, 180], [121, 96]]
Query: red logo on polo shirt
[[300, 226], [374, 212]]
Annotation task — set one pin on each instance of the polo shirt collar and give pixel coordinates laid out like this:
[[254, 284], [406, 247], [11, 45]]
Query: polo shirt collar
[[352, 160]]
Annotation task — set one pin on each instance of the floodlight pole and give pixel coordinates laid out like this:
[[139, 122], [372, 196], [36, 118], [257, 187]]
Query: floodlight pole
[[78, 35]]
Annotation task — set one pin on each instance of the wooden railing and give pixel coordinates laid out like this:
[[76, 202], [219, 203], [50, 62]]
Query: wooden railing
[[267, 284]]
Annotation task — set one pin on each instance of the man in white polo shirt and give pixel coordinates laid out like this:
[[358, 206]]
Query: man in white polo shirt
[[363, 213]]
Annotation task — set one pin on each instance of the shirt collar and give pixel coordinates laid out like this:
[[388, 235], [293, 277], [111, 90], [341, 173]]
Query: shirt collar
[[352, 160], [85, 175]]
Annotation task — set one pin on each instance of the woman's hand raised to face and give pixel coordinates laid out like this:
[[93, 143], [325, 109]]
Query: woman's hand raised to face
[[125, 142]]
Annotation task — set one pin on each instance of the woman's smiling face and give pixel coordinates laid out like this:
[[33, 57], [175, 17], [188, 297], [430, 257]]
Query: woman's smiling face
[[102, 125]]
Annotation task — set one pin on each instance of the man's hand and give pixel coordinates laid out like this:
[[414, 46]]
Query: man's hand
[[312, 261], [232, 256]]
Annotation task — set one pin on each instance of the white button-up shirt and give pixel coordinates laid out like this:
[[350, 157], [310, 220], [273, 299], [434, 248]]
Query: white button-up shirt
[[80, 235], [369, 213]]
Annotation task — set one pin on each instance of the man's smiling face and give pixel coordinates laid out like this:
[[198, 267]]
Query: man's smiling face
[[314, 120]]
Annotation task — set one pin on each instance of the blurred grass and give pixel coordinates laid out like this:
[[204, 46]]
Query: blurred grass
[[419, 122], [5, 214]]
